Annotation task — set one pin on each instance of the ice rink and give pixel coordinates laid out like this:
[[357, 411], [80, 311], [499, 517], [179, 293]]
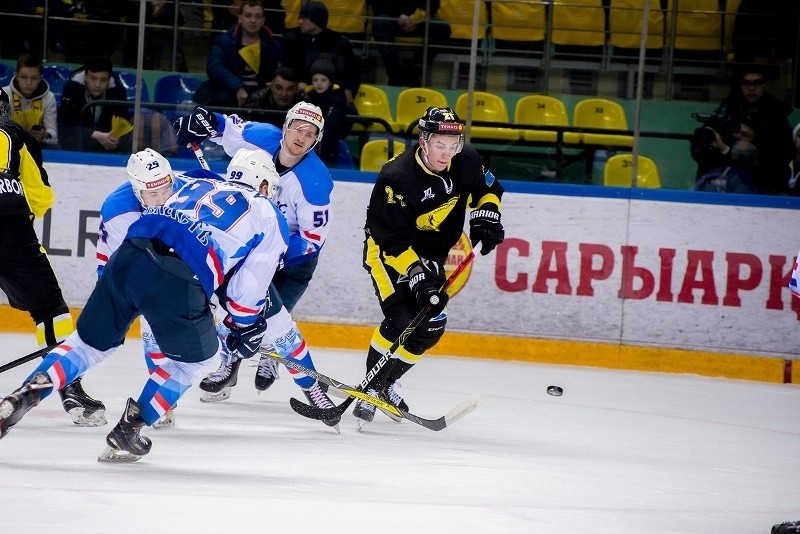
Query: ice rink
[[620, 452]]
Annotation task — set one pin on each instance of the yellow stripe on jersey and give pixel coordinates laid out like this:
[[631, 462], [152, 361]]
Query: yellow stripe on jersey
[[378, 271], [5, 151], [40, 197]]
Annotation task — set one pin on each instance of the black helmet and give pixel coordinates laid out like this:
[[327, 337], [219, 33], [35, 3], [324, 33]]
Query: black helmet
[[441, 121]]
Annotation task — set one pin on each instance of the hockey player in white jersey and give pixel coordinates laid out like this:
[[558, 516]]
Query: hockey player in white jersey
[[210, 236], [304, 199]]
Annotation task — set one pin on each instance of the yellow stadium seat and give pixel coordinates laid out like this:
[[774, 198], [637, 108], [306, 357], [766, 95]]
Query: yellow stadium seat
[[490, 108], [544, 110], [619, 171], [579, 23], [518, 21], [372, 101], [601, 113], [698, 25], [458, 14], [731, 8], [376, 152], [625, 24], [347, 16], [412, 103], [292, 9]]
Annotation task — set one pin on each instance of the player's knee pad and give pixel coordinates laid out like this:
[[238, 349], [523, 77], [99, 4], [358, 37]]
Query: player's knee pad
[[427, 334]]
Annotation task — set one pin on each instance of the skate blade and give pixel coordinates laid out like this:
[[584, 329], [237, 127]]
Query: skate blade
[[116, 456], [97, 418], [361, 424], [216, 397]]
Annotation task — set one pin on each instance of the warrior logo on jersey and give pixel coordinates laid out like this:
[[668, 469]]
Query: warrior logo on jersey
[[433, 219], [390, 197]]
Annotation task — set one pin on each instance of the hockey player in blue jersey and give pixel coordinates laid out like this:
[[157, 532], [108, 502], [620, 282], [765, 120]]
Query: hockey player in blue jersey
[[304, 199], [150, 183], [210, 236]]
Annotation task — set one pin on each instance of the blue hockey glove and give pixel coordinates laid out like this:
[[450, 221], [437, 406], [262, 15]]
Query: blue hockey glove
[[485, 227], [244, 341], [425, 280], [195, 128]]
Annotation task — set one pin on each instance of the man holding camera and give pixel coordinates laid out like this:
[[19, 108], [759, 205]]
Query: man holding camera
[[747, 138]]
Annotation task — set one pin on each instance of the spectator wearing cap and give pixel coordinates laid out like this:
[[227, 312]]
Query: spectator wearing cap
[[304, 44], [241, 61], [330, 97], [88, 127]]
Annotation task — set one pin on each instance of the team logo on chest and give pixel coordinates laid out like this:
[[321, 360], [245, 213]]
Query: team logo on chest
[[433, 219], [427, 194]]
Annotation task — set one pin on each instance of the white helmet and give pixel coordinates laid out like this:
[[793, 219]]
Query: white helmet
[[147, 171], [252, 168], [306, 111]]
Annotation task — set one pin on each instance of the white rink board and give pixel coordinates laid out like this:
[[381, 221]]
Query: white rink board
[[688, 248]]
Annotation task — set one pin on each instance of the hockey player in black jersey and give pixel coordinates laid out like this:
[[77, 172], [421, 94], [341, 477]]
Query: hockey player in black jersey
[[416, 214], [26, 276]]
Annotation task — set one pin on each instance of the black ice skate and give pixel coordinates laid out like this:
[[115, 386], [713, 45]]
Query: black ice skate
[[217, 386], [84, 410], [125, 445], [365, 411], [266, 374], [317, 397], [13, 407], [392, 395]]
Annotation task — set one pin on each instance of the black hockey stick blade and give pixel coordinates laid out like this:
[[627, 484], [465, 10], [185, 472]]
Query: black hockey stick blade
[[28, 357]]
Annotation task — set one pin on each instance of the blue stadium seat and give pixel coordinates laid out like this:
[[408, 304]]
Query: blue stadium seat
[[6, 73], [56, 76], [176, 89], [128, 80]]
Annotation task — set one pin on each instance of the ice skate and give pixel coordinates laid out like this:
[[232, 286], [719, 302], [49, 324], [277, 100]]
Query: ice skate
[[317, 397], [83, 409], [125, 445], [167, 420], [217, 386], [13, 407], [392, 395], [365, 411], [267, 373]]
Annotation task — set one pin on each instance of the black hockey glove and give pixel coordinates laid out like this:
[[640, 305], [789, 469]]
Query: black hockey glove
[[425, 280], [244, 341], [195, 128], [485, 227]]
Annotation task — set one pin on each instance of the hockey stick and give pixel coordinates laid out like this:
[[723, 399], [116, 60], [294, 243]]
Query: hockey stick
[[27, 358], [198, 153], [313, 412], [440, 423]]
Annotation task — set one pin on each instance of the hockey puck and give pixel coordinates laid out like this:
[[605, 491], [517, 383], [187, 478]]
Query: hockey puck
[[555, 391]]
